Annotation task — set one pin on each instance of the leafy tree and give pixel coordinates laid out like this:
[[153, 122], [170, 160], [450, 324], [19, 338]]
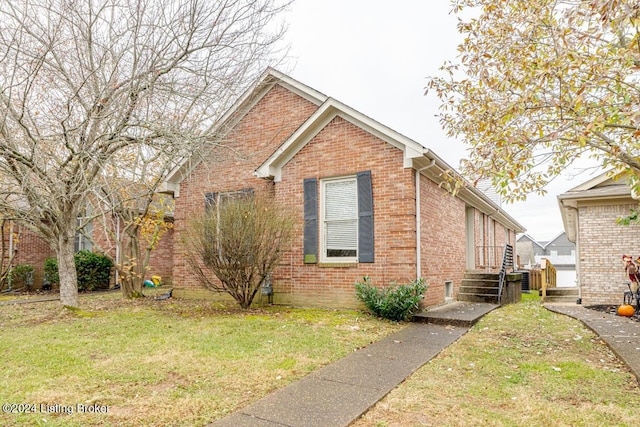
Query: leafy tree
[[541, 83], [235, 245], [86, 84]]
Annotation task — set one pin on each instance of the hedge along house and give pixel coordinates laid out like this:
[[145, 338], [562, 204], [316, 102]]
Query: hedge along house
[[367, 200], [589, 212]]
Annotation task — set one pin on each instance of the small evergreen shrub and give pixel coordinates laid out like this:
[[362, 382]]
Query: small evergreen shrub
[[51, 276], [94, 270], [396, 303], [22, 276]]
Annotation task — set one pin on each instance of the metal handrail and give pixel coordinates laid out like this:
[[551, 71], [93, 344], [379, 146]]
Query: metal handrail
[[507, 259]]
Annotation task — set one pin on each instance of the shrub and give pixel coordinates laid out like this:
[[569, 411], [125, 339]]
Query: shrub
[[94, 270], [237, 243], [396, 303], [22, 276], [51, 276]]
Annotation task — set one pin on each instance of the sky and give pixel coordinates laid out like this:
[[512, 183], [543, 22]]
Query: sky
[[376, 56]]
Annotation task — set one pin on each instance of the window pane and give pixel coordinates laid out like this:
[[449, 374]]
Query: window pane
[[342, 234], [341, 218], [341, 200]]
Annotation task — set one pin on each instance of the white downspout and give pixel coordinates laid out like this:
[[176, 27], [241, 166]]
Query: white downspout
[[418, 232]]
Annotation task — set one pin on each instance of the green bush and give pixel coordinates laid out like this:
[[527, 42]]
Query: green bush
[[395, 302], [51, 276], [22, 276], [94, 270]]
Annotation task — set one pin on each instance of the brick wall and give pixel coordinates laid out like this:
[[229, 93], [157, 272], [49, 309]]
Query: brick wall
[[601, 245], [443, 240], [31, 250], [104, 233], [340, 149], [343, 149], [231, 165]]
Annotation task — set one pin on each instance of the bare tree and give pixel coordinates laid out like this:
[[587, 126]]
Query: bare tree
[[83, 81]]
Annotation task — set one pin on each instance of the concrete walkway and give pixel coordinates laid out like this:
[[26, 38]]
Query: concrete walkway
[[341, 392], [621, 334]]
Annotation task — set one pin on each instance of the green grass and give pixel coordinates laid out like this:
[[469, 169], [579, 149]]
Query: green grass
[[163, 363], [520, 365]]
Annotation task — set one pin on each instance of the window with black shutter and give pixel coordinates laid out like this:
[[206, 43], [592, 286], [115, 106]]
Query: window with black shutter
[[343, 220]]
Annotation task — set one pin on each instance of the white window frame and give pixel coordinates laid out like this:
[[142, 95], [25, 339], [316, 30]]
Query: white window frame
[[83, 235], [323, 228]]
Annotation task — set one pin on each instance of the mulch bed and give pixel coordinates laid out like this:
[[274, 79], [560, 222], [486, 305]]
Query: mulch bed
[[611, 309]]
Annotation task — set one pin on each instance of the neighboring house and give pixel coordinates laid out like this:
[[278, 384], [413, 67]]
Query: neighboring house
[[559, 251], [589, 213], [29, 248], [528, 249], [26, 247], [367, 200]]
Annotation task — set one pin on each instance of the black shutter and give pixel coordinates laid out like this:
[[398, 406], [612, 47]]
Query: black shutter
[[365, 217], [310, 221], [209, 201]]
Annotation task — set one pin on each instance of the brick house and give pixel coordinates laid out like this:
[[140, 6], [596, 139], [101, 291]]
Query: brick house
[[28, 248], [369, 201], [589, 213]]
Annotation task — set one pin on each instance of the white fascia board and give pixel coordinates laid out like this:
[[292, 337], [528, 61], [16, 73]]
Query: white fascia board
[[593, 182], [244, 104], [331, 108]]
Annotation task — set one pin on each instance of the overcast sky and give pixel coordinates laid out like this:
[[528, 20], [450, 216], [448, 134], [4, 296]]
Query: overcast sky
[[375, 56]]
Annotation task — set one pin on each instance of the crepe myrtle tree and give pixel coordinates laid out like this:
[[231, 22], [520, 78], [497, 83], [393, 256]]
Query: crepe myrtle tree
[[81, 81], [540, 83], [233, 246]]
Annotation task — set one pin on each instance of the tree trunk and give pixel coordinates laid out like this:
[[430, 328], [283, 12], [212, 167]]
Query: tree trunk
[[67, 272], [131, 267]]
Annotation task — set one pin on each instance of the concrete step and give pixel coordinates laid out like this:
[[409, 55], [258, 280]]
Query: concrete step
[[562, 292], [479, 289], [562, 295], [475, 297], [480, 275], [481, 282], [458, 313]]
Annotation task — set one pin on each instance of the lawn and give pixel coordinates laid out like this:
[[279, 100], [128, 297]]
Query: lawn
[[186, 362], [173, 362], [520, 365]]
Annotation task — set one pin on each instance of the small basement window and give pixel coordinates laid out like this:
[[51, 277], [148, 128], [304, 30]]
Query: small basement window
[[448, 290]]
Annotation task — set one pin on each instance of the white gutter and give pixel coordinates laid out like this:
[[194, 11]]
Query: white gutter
[[418, 233]]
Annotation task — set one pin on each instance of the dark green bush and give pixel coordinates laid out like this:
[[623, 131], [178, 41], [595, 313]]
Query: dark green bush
[[22, 276], [51, 276], [396, 303], [94, 270]]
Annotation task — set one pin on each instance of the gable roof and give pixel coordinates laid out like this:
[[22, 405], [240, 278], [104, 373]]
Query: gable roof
[[562, 233], [236, 112], [330, 109], [415, 155], [604, 187], [531, 239]]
